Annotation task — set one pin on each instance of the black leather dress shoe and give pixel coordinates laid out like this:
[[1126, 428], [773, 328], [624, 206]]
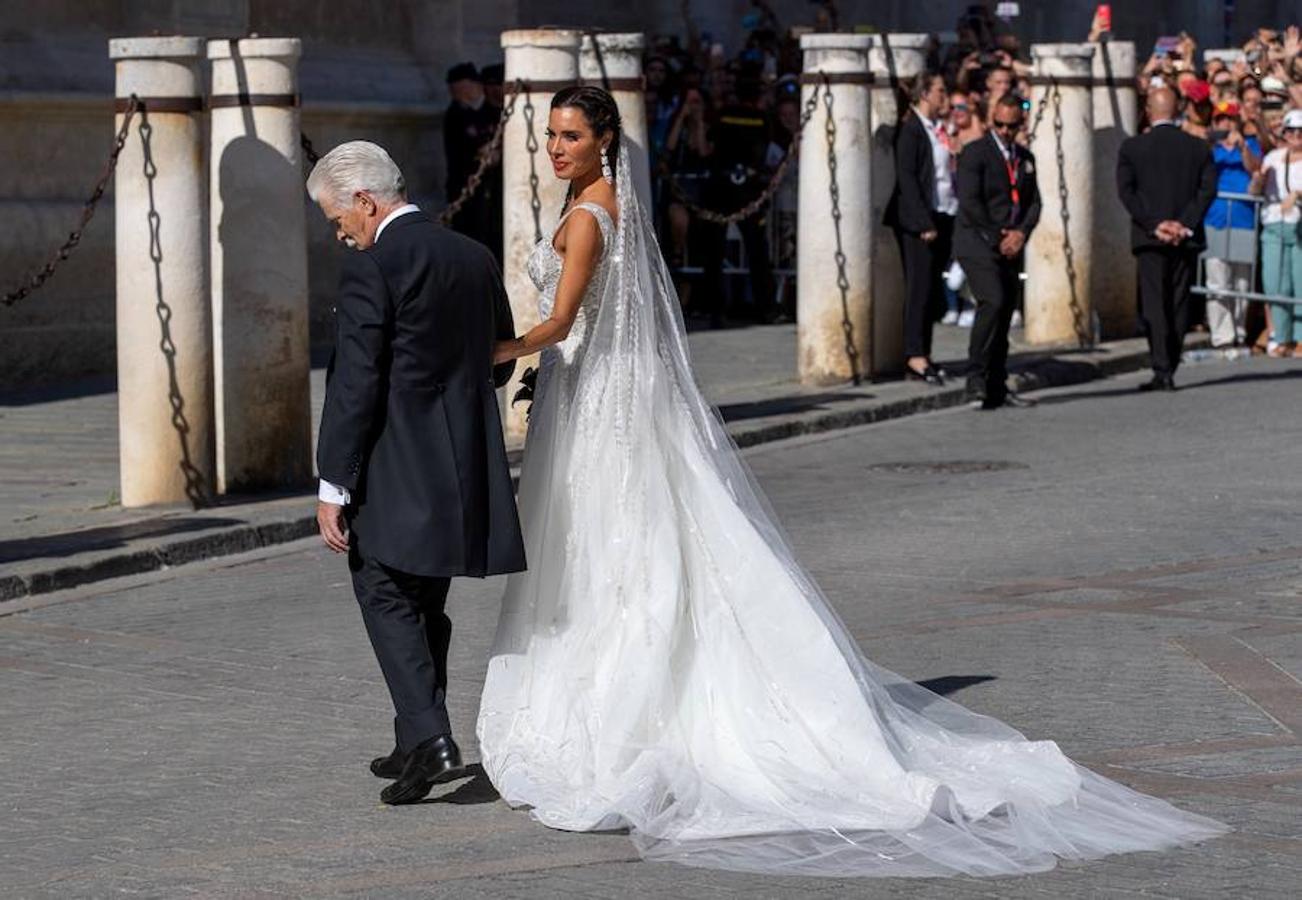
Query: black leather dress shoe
[[1159, 383], [433, 762], [390, 766], [930, 374]]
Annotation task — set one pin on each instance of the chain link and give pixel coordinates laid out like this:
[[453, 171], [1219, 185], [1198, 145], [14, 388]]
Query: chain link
[[1039, 114], [531, 147], [308, 150], [195, 489], [1084, 333], [487, 155], [87, 211], [834, 191], [775, 182]]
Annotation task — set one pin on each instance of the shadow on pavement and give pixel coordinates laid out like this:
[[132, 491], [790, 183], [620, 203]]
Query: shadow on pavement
[[1242, 378], [781, 406], [473, 792], [88, 540], [952, 684]]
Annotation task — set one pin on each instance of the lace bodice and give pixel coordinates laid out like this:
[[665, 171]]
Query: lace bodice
[[544, 269]]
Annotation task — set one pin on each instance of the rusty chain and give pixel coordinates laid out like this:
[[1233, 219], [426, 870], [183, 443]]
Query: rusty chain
[[834, 192], [775, 181], [1084, 333], [87, 211], [486, 157]]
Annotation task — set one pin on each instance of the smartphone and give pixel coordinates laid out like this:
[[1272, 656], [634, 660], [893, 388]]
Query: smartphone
[[1166, 45], [1103, 13], [1216, 135]]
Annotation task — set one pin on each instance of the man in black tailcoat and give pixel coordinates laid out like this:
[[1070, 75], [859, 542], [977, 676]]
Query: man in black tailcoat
[[415, 486]]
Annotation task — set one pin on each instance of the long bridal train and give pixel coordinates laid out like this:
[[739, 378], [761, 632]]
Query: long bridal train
[[666, 665]]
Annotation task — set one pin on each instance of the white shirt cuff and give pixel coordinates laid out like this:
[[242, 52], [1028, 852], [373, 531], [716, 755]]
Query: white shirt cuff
[[332, 493]]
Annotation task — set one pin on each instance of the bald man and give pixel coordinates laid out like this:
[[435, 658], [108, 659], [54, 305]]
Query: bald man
[[1167, 180]]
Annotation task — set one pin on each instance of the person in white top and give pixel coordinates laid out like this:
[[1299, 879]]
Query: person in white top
[[1280, 182]]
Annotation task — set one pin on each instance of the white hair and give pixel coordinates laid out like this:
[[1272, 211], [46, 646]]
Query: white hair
[[357, 166]]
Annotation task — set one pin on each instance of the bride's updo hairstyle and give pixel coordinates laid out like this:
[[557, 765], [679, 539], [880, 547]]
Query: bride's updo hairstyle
[[599, 108]]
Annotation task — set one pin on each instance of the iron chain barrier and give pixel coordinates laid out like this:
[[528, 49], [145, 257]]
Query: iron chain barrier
[[1080, 323], [834, 190], [39, 278], [774, 183]]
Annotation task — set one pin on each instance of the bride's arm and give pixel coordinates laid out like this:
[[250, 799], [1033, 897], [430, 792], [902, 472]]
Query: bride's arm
[[580, 249]]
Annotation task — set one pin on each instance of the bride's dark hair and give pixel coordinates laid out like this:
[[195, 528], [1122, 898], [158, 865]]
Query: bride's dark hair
[[599, 108]]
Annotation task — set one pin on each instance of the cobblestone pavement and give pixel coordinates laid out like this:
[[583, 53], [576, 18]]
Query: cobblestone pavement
[[59, 458], [1119, 572]]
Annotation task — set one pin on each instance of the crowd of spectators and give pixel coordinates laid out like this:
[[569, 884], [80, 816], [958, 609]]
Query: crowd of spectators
[[1246, 102], [720, 124]]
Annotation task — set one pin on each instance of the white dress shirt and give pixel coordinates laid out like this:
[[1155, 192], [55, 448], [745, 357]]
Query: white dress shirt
[[326, 491], [945, 199]]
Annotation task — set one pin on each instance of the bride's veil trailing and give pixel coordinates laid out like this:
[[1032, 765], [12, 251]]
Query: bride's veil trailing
[[731, 720]]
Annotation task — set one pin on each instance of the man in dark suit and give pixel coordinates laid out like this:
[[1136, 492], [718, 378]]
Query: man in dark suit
[[414, 480], [998, 207], [921, 213], [1167, 180], [468, 126]]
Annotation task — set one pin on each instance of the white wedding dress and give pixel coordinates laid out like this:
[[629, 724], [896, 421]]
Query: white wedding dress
[[665, 665]]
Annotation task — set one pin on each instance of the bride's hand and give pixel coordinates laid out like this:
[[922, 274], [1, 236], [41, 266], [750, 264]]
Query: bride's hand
[[505, 351]]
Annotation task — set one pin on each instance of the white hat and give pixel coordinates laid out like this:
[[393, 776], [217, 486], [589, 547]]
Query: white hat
[[1272, 85], [1293, 118]]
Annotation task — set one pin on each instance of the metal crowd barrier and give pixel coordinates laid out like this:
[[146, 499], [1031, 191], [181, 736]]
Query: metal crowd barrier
[[1237, 245]]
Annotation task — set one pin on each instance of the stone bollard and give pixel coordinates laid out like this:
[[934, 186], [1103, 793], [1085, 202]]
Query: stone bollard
[[547, 59], [1058, 295], [894, 60], [259, 267], [1116, 117], [164, 326], [830, 323], [614, 61]]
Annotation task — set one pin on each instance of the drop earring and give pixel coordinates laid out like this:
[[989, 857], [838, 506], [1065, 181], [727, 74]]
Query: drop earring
[[605, 168]]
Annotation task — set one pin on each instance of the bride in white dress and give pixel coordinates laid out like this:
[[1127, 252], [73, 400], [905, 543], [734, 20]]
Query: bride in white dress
[[666, 665]]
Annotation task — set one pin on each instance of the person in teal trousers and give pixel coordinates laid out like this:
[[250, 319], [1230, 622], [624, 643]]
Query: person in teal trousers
[[1280, 182]]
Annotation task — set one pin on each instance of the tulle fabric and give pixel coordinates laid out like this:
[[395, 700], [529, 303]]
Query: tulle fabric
[[666, 665]]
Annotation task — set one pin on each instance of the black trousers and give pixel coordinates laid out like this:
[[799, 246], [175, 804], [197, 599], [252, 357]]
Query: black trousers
[[410, 635], [1165, 277], [995, 286], [924, 273], [754, 236]]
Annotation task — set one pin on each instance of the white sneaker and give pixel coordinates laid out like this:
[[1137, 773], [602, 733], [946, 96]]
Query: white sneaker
[[966, 318], [1016, 321], [950, 317]]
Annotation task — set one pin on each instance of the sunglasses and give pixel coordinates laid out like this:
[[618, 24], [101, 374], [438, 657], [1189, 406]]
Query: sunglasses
[[1007, 126], [961, 107]]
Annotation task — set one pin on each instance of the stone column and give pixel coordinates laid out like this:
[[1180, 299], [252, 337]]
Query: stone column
[[259, 267], [1059, 293], [1116, 117], [164, 326], [822, 310], [895, 59], [616, 60], [546, 59]]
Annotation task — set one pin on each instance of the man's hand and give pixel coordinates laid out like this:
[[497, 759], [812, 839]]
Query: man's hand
[[1171, 232], [334, 531], [1011, 242], [928, 236]]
